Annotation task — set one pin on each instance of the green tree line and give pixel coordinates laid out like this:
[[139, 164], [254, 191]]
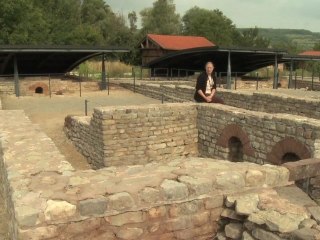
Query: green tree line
[[93, 22]]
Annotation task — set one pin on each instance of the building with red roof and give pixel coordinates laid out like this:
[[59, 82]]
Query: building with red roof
[[154, 46], [311, 53]]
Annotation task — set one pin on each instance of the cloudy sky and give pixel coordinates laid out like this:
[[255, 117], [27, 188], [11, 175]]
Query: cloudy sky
[[292, 14]]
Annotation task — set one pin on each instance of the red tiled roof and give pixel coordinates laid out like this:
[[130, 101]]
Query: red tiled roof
[[310, 53], [171, 42]]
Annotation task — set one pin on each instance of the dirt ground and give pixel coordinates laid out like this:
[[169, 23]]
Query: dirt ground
[[49, 113]]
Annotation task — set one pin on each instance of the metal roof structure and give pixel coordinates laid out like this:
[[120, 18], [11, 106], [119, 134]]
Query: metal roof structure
[[242, 60], [37, 60]]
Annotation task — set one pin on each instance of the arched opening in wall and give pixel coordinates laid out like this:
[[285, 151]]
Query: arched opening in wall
[[290, 157], [235, 147], [39, 90]]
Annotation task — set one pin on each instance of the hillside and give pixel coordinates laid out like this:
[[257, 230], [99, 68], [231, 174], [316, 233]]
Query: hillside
[[304, 39]]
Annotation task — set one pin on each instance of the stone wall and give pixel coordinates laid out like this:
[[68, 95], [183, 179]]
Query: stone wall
[[180, 199], [135, 135], [264, 137], [257, 101], [29, 85], [6, 87]]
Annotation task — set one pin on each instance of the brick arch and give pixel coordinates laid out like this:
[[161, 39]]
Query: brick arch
[[44, 86], [234, 130], [287, 145]]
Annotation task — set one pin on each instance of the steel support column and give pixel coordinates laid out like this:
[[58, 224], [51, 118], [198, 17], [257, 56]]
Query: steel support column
[[16, 76], [290, 76], [229, 71], [103, 75], [275, 81]]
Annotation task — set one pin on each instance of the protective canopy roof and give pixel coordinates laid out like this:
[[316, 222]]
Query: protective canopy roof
[[48, 60], [242, 60]]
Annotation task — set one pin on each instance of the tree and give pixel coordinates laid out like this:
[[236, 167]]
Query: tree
[[132, 16], [250, 38], [316, 46], [211, 24], [161, 18]]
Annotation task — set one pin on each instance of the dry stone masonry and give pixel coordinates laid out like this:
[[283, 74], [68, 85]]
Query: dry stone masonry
[[181, 198], [135, 135]]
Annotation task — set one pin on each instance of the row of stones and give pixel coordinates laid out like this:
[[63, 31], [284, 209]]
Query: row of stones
[[136, 135], [86, 135], [183, 221], [6, 205], [263, 130], [266, 216], [255, 102]]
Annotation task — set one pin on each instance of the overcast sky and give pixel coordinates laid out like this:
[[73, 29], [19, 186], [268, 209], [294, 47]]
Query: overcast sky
[[292, 14]]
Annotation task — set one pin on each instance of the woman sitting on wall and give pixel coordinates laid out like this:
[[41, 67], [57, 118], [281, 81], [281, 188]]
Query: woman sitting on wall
[[206, 86]]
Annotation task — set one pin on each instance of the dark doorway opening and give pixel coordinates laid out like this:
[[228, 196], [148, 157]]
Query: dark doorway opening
[[290, 157], [39, 90], [235, 150]]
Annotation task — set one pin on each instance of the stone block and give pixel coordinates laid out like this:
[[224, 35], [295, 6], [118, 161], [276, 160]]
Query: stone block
[[120, 201], [197, 186], [246, 236], [129, 233], [230, 180], [178, 223], [315, 213], [264, 235], [231, 214], [214, 202], [80, 227], [247, 204], [59, 210], [157, 212], [200, 219], [186, 208], [174, 190], [233, 230], [150, 195], [305, 234], [254, 178], [27, 216], [307, 223], [275, 221], [93, 206], [196, 233], [124, 218], [49, 232], [303, 169]]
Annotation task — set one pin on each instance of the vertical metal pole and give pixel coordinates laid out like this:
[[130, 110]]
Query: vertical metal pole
[[171, 74], [50, 85], [235, 81], [229, 71], [134, 82], [295, 80], [290, 75], [141, 73], [86, 107], [80, 87], [150, 73], [275, 81], [108, 78], [103, 75], [312, 79], [16, 76], [257, 84]]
